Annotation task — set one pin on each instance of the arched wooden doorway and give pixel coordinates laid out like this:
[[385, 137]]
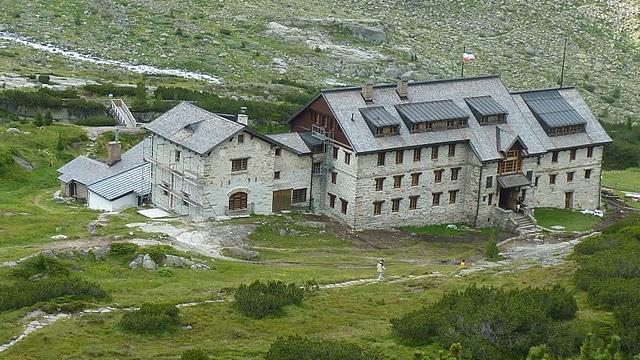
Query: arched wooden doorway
[[238, 201]]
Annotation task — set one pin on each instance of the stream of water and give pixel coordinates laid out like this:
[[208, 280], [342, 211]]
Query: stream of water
[[74, 55]]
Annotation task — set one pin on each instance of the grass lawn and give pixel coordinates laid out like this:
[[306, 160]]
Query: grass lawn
[[571, 220], [439, 230], [623, 180]]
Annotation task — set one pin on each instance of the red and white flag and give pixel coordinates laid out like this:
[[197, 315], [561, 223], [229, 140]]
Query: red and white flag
[[468, 57]]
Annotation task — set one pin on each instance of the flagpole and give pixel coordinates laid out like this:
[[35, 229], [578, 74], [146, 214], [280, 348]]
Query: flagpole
[[464, 50], [564, 55]]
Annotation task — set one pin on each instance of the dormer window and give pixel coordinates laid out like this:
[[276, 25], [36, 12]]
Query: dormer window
[[486, 110], [554, 113], [380, 121], [432, 115]]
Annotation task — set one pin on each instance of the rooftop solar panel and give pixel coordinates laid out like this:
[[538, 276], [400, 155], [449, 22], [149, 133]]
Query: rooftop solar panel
[[551, 109], [431, 111]]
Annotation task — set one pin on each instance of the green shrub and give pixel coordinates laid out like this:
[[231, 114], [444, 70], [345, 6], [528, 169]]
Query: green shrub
[[258, 299], [40, 265], [38, 120], [158, 252], [44, 79], [298, 348], [194, 354], [27, 293], [492, 252], [494, 323], [151, 318], [48, 119], [165, 272], [124, 249]]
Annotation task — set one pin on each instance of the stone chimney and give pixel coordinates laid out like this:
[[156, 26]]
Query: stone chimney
[[367, 90], [114, 152], [243, 118], [403, 86]]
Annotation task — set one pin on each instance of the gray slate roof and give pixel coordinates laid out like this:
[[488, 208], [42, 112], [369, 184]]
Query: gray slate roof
[[291, 140], [194, 128], [430, 111], [485, 106], [87, 171], [124, 183], [513, 180], [344, 104], [551, 109]]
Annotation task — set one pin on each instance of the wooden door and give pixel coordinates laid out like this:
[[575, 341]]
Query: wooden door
[[568, 200], [238, 201], [281, 200]]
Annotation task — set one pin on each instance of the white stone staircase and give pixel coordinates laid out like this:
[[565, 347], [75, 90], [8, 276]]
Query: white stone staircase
[[119, 110], [525, 223]]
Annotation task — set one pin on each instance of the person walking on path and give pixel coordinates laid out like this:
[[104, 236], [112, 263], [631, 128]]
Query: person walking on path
[[380, 268]]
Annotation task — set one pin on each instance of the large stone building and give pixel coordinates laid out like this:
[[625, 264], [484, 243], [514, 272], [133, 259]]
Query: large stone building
[[461, 150]]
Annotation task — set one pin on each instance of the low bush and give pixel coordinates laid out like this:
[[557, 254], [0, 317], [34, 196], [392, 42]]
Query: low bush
[[44, 79], [40, 265], [194, 354], [297, 348], [96, 121], [258, 299], [124, 249], [610, 275], [495, 323], [27, 293], [151, 319]]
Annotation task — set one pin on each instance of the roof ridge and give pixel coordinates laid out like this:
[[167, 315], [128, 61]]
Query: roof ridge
[[206, 111], [411, 83], [541, 90]]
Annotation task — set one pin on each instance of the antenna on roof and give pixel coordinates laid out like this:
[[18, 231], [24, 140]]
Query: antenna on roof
[[564, 56], [352, 117]]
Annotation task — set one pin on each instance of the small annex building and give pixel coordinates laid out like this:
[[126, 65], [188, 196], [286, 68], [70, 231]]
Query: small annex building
[[119, 183]]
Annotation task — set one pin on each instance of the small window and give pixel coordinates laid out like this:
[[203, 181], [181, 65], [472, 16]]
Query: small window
[[165, 192], [489, 182], [452, 150], [334, 177], [417, 153], [413, 202], [377, 207], [332, 201], [177, 155], [453, 194], [587, 174], [454, 173], [397, 181], [241, 139], [590, 151], [438, 175], [335, 152], [379, 184], [317, 167], [570, 176], [552, 179], [347, 158], [395, 205], [490, 202], [276, 175], [572, 154], [299, 196], [343, 205], [278, 151], [399, 156], [554, 157], [415, 179], [239, 164], [436, 198], [434, 152], [530, 175], [537, 180], [381, 157]]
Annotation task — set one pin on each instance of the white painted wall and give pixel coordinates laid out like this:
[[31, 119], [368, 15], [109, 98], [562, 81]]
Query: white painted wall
[[97, 202]]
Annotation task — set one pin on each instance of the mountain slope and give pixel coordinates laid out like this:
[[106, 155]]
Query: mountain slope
[[345, 41]]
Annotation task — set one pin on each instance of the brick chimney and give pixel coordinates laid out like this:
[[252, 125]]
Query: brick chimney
[[367, 91], [243, 118], [403, 86], [114, 152]]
